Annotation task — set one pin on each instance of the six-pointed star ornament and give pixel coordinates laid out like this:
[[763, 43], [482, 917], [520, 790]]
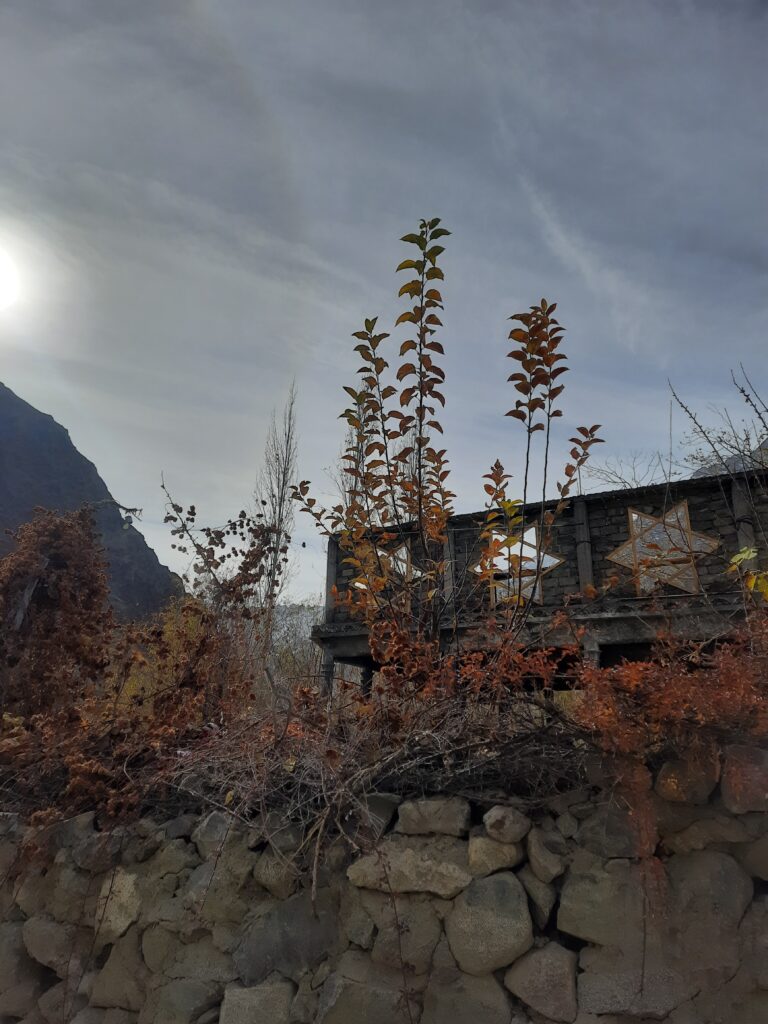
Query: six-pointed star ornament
[[528, 565], [663, 550]]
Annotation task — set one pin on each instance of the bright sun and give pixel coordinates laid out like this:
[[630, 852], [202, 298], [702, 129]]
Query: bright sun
[[10, 282]]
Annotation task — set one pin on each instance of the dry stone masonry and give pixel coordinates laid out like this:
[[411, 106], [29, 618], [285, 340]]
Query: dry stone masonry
[[462, 912]]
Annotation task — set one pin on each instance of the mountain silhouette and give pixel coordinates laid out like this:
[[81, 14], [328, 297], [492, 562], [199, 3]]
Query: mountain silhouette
[[41, 468]]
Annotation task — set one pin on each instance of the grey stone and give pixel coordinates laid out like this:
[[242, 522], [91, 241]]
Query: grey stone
[[290, 938], [414, 864], [408, 931], [55, 945], [355, 921], [490, 925], [683, 782], [547, 852], [305, 1003], [542, 895], [122, 981], [610, 832], [466, 1000], [449, 816], [181, 827], [59, 1004], [21, 979], [98, 852], [276, 874], [63, 893], [601, 903], [89, 1015], [119, 906], [562, 802], [487, 855], [179, 1002], [361, 991], [159, 947], [506, 824], [377, 812], [200, 959], [720, 828], [567, 825], [211, 834], [270, 1002], [652, 962], [116, 1016], [753, 857], [744, 784], [545, 980], [172, 858], [283, 836]]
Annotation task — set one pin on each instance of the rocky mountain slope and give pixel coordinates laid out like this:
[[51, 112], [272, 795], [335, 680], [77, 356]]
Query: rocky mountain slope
[[40, 467]]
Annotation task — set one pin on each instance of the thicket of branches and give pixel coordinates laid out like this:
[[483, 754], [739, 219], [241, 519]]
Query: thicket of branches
[[209, 705]]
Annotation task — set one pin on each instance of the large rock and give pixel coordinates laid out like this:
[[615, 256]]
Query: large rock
[[179, 1002], [542, 895], [487, 855], [62, 947], [545, 980], [465, 1000], [291, 938], [211, 834], [448, 816], [656, 955], [98, 852], [159, 947], [119, 906], [744, 785], [490, 925], [601, 903], [414, 864], [276, 874], [611, 832], [201, 960], [121, 983], [360, 991], [506, 824], [547, 853], [753, 857], [270, 1002], [688, 782], [408, 931], [59, 1004], [21, 979], [706, 831]]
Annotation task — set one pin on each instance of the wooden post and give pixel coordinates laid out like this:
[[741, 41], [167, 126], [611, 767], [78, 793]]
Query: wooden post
[[583, 544]]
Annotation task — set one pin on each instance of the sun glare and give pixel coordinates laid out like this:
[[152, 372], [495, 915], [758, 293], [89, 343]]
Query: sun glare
[[10, 282]]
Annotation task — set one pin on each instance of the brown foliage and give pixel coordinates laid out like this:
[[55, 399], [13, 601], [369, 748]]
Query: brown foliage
[[55, 614]]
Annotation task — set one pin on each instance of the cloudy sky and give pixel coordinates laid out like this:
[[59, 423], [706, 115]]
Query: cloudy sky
[[203, 199]]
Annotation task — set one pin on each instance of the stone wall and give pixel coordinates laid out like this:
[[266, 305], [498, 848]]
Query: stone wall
[[462, 912]]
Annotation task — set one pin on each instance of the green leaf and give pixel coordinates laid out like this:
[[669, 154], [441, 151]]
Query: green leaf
[[415, 240]]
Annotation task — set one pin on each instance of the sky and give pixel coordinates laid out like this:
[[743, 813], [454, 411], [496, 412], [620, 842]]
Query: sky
[[204, 198]]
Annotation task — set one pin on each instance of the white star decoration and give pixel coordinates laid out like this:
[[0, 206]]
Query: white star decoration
[[534, 564], [401, 562], [663, 550]]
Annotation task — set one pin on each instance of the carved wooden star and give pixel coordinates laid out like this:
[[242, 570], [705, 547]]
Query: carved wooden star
[[663, 550]]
